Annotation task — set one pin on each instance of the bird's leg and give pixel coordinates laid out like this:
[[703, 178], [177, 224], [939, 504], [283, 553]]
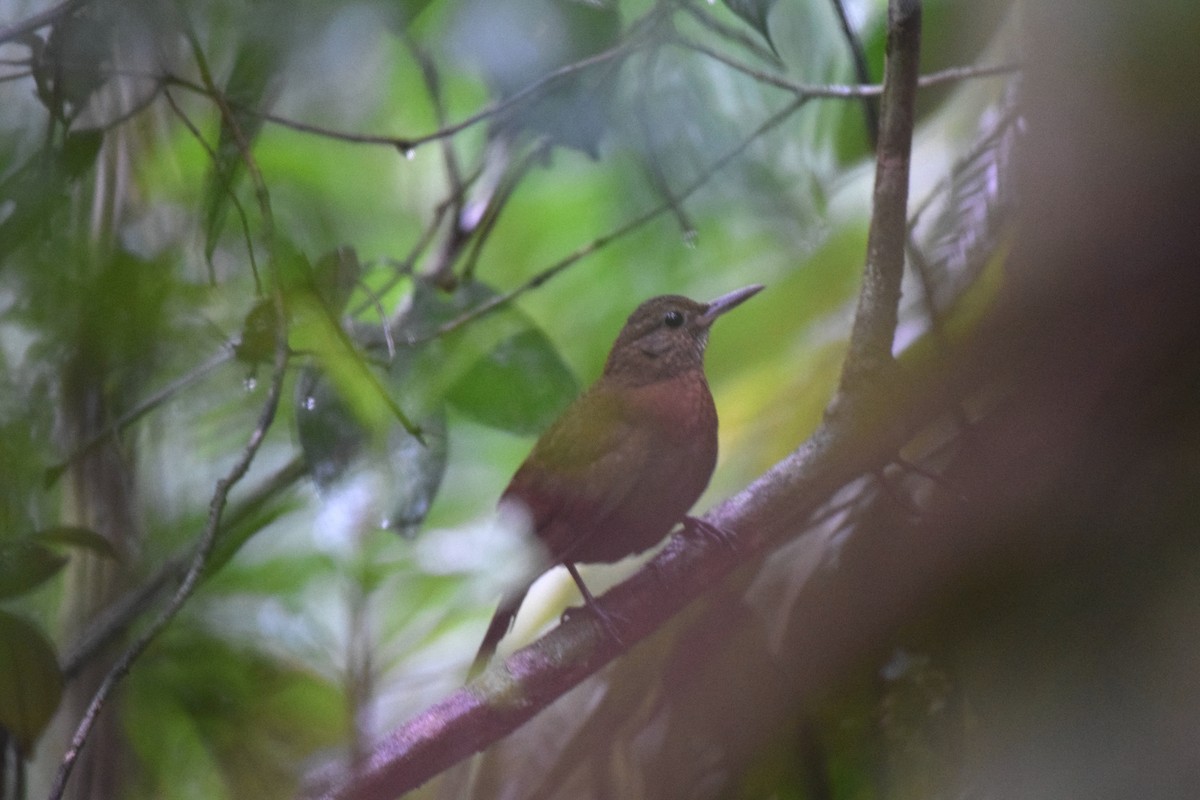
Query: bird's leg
[[694, 525], [606, 620]]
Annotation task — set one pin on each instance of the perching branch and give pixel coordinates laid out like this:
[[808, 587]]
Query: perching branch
[[769, 512]]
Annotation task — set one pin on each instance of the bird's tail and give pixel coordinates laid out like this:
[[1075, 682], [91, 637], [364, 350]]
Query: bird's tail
[[501, 621]]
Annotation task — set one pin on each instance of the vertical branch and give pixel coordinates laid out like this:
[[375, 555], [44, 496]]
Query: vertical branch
[[878, 302]]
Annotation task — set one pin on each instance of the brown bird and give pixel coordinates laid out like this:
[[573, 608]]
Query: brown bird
[[626, 461]]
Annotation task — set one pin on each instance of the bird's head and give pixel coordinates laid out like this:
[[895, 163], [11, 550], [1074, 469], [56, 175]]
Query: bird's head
[[666, 336]]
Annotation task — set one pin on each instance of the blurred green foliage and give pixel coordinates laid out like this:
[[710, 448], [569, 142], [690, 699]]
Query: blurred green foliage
[[139, 267]]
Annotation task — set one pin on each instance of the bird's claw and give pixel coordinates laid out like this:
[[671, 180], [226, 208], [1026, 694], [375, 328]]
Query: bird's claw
[[695, 525], [607, 619]]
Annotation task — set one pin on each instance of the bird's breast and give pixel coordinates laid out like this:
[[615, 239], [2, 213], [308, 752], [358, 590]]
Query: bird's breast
[[681, 410], [620, 468]]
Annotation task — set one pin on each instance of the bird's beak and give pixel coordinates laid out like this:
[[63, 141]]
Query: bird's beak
[[725, 302]]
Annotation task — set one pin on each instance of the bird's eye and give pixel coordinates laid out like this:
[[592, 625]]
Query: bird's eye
[[673, 319]]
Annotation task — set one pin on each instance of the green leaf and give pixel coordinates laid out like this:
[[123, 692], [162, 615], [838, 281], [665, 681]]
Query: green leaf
[[499, 369], [404, 472], [520, 42], [334, 277], [239, 721], [521, 386], [25, 564], [30, 681], [80, 151], [247, 92], [755, 13], [76, 536], [233, 537]]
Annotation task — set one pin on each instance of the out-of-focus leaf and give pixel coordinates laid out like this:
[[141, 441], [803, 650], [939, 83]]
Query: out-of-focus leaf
[[330, 435], [70, 67], [244, 719], [80, 151], [755, 13], [25, 564], [316, 332], [500, 370], [520, 386], [248, 91], [237, 534], [256, 343], [403, 472], [442, 361], [30, 196], [30, 681], [978, 205], [75, 536], [279, 577], [334, 277], [519, 43]]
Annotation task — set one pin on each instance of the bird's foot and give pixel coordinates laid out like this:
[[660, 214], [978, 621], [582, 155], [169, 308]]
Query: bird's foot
[[607, 619], [695, 525]]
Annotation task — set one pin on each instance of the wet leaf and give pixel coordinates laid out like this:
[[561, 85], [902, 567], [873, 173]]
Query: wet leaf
[[403, 472]]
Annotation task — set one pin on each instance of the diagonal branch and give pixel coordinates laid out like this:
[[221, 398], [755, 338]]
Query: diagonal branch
[[769, 512]]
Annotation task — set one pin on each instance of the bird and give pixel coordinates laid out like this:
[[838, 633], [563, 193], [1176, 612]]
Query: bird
[[625, 462]]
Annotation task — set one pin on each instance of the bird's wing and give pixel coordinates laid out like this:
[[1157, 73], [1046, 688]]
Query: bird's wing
[[582, 468]]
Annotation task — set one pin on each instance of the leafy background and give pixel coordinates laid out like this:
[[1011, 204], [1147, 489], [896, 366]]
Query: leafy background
[[139, 270]]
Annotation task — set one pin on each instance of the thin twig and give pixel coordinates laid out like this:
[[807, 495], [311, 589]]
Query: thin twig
[[239, 137], [654, 170], [406, 144], [220, 176], [862, 72], [137, 412], [124, 612], [191, 579], [844, 447], [443, 271], [499, 300], [509, 181], [843, 91], [221, 494], [729, 33]]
